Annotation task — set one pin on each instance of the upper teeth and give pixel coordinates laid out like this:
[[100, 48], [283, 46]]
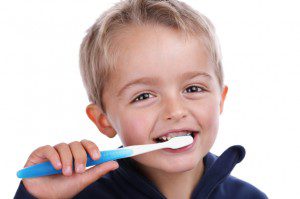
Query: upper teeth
[[171, 135]]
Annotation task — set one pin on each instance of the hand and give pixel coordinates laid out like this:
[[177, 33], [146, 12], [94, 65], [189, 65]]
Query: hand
[[69, 183]]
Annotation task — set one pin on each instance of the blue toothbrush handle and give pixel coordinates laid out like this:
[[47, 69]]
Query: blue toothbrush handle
[[46, 168]]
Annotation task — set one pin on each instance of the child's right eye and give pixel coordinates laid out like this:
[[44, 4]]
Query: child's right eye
[[141, 97]]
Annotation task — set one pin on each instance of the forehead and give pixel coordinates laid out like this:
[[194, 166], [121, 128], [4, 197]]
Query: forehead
[[158, 51]]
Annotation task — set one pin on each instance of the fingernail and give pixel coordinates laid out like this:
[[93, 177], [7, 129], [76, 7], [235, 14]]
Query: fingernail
[[68, 170], [96, 155], [58, 163], [80, 168], [116, 165]]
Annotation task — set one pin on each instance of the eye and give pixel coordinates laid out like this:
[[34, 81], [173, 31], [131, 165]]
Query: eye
[[142, 96], [194, 89]]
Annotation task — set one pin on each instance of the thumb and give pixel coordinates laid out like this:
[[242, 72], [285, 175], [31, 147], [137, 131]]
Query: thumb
[[96, 172]]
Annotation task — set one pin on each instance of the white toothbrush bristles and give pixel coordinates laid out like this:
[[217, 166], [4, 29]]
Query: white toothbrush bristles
[[173, 143], [179, 142]]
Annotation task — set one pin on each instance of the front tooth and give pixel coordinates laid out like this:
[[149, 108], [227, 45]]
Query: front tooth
[[179, 134], [171, 135]]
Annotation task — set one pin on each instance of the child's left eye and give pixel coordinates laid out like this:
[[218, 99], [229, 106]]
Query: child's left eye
[[193, 89]]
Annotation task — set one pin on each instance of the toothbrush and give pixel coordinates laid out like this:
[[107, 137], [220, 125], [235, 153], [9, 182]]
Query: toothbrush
[[46, 168]]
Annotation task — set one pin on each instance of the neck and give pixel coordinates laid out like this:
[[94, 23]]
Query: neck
[[175, 185]]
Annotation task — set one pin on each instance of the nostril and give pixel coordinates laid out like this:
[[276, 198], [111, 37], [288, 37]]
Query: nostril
[[176, 116], [174, 109]]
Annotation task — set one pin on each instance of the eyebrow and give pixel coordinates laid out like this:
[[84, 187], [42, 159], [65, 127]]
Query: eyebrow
[[143, 80], [191, 75], [152, 81]]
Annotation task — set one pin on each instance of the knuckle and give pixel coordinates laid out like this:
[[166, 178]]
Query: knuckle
[[74, 143], [81, 157], [39, 149], [48, 149], [48, 146], [66, 155], [91, 147], [93, 144], [85, 140], [32, 156], [43, 148], [80, 160], [66, 163], [60, 145]]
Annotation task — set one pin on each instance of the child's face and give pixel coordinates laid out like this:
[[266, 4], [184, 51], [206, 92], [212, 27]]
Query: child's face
[[162, 84]]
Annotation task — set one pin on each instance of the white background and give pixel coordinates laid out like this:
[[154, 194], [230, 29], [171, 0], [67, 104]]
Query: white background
[[43, 99]]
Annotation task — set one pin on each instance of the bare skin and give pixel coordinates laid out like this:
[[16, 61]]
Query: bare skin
[[162, 82], [61, 156]]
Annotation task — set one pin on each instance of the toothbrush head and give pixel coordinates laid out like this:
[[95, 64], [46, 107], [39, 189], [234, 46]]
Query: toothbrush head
[[179, 141]]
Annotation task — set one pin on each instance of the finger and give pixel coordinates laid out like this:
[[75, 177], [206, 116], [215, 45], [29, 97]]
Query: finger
[[91, 148], [96, 172], [79, 155], [43, 154], [66, 158]]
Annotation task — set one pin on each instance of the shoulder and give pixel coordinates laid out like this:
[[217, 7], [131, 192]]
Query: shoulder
[[237, 188]]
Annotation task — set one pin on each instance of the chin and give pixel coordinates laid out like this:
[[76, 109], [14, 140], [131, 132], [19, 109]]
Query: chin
[[170, 163], [179, 166], [179, 169], [173, 165]]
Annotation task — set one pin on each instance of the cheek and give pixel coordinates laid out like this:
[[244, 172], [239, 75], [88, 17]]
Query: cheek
[[208, 119], [207, 111], [135, 128], [211, 117]]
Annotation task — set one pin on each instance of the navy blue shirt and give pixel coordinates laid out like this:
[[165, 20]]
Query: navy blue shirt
[[127, 182]]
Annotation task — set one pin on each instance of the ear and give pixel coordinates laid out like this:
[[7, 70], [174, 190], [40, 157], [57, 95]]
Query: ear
[[95, 113], [223, 97]]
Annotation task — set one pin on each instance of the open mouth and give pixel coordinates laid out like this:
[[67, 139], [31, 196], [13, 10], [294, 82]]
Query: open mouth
[[168, 136]]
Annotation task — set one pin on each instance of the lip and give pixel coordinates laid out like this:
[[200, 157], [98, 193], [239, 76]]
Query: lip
[[184, 149]]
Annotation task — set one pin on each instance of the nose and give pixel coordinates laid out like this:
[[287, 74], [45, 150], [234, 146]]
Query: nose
[[174, 109]]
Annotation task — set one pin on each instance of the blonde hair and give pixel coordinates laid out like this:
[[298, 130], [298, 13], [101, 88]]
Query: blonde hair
[[98, 54]]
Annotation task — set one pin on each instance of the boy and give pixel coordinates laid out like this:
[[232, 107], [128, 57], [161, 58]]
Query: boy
[[152, 70]]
